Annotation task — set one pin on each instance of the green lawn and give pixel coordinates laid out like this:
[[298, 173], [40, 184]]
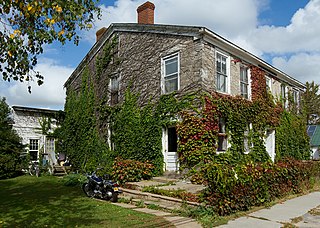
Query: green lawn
[[45, 202]]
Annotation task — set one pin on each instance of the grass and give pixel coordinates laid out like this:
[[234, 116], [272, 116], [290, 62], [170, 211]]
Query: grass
[[45, 202]]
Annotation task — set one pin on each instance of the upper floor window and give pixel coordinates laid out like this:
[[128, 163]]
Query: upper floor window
[[244, 82], [284, 92], [295, 95], [171, 73], [222, 72], [114, 89], [268, 84]]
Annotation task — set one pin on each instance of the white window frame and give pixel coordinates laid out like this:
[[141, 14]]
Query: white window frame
[[32, 149], [163, 71], [249, 82], [284, 96], [222, 133], [268, 83], [295, 98], [113, 78], [218, 52], [247, 146], [50, 144]]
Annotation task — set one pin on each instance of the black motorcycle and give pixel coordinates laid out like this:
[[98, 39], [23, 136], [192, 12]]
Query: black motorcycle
[[99, 187]]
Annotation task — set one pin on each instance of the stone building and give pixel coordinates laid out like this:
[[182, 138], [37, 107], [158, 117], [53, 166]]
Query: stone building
[[160, 59], [34, 126]]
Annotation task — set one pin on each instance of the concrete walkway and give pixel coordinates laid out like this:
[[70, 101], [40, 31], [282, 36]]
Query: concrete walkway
[[177, 221], [282, 213]]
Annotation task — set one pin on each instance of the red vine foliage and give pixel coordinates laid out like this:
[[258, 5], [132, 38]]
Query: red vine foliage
[[198, 131]]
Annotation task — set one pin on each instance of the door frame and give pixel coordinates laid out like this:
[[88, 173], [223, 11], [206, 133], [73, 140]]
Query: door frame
[[165, 151]]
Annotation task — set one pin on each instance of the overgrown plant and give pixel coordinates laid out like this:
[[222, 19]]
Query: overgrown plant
[[137, 131], [81, 140]]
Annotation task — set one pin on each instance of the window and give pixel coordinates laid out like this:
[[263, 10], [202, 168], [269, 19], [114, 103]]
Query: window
[[284, 92], [246, 139], [222, 136], [244, 82], [114, 89], [49, 145], [295, 95], [171, 74], [268, 84], [33, 149], [222, 73]]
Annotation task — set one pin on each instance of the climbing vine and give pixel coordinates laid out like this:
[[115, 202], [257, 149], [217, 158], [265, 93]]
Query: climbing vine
[[245, 121], [137, 131], [81, 140]]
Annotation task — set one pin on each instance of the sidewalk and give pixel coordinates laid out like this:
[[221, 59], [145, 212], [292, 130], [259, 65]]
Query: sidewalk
[[282, 213]]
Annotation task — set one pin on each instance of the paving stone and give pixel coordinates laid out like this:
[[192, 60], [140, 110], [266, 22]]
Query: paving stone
[[125, 205]]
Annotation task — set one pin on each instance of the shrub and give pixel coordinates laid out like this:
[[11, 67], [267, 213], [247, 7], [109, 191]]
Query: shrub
[[239, 187], [131, 170]]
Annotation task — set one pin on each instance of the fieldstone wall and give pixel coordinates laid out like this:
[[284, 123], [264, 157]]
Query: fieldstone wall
[[140, 55]]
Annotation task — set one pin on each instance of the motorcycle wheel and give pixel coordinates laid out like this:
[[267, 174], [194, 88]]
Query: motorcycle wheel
[[114, 198], [87, 190]]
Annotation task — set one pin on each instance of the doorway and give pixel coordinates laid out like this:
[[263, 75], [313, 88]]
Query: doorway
[[170, 147]]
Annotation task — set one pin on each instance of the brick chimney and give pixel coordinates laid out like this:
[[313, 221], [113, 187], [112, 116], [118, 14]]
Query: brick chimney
[[99, 33], [146, 13]]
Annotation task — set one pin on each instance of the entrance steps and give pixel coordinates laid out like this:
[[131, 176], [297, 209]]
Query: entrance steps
[[59, 170]]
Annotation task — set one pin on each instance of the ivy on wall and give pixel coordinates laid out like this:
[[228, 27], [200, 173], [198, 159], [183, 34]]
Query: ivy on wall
[[136, 132], [81, 140], [198, 131], [292, 139]]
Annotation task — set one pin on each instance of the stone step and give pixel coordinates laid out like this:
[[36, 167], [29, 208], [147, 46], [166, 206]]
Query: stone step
[[59, 170], [150, 198]]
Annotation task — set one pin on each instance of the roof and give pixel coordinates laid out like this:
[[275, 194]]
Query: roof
[[35, 110], [193, 31], [314, 134]]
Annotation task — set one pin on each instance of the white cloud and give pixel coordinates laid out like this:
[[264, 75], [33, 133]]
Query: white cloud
[[235, 20], [303, 66], [300, 35], [49, 95], [228, 18]]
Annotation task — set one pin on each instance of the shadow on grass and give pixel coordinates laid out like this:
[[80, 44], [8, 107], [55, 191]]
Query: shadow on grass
[[46, 202]]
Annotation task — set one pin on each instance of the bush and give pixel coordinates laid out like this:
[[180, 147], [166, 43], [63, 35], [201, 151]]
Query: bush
[[131, 170], [239, 187]]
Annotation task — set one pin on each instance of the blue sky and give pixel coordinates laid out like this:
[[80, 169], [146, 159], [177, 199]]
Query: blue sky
[[282, 32]]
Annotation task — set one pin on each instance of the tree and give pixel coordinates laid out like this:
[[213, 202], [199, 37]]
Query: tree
[[25, 26], [10, 144], [311, 103]]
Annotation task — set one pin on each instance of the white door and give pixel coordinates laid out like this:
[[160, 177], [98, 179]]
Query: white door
[[170, 145]]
